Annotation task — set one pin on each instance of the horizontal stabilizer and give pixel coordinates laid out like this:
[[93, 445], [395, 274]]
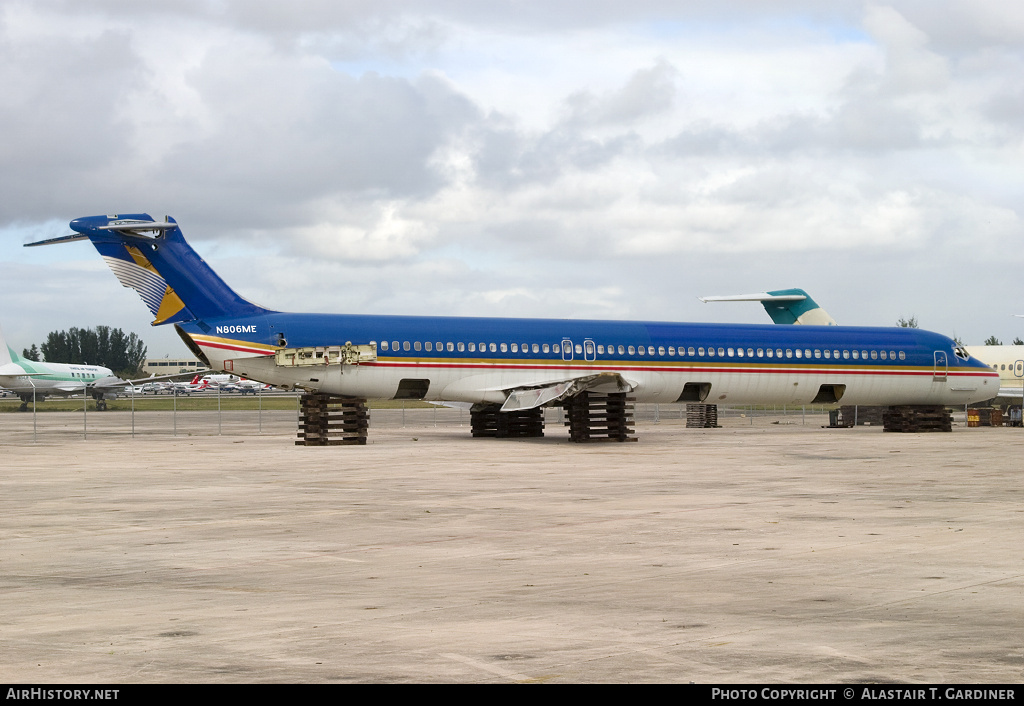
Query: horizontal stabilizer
[[757, 297], [62, 239], [785, 306]]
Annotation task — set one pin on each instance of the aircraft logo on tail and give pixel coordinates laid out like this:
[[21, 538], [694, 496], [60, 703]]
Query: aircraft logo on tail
[[135, 271]]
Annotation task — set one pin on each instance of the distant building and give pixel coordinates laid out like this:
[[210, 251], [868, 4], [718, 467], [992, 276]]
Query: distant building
[[170, 366]]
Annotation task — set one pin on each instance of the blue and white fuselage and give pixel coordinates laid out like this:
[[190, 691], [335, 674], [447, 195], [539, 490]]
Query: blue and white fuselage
[[480, 360], [521, 363]]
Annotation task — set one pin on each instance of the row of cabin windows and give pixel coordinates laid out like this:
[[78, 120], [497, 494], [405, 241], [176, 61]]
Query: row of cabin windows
[[662, 351]]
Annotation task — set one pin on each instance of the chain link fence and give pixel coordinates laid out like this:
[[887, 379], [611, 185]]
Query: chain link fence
[[278, 414]]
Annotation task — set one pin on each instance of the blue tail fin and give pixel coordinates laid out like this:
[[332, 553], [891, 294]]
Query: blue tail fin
[[153, 258]]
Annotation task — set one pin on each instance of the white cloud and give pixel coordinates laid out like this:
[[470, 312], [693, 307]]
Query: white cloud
[[469, 158]]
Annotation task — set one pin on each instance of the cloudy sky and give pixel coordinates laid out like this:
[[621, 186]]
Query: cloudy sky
[[592, 159]]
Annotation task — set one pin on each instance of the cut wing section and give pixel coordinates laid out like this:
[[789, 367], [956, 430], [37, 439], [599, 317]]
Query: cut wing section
[[528, 398]]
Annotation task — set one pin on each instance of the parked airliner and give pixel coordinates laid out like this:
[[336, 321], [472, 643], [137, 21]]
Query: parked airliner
[[520, 364], [32, 380], [795, 306]]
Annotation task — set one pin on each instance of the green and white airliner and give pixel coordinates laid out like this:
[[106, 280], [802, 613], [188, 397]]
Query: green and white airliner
[[36, 380]]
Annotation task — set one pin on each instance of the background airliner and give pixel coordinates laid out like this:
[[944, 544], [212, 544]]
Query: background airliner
[[795, 306], [28, 378], [521, 364]]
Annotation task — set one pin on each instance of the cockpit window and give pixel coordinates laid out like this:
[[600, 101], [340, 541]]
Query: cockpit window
[[961, 353]]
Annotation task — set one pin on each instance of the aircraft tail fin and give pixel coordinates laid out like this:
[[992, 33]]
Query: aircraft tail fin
[[153, 258], [785, 306]]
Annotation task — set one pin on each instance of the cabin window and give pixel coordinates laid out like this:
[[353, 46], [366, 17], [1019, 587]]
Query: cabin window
[[600, 349], [622, 350], [483, 347], [417, 345], [406, 346], [429, 346], [672, 350], [462, 347], [807, 352], [700, 351], [799, 353], [641, 350], [750, 352], [864, 354], [504, 347], [661, 350], [856, 355], [632, 350], [731, 352], [546, 348], [778, 352], [711, 351], [536, 348], [394, 345], [846, 354], [760, 352], [892, 355], [903, 355], [882, 355], [383, 345], [494, 347], [472, 347], [515, 348], [828, 353], [556, 348], [690, 351]]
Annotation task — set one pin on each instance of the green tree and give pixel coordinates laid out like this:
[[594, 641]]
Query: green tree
[[993, 341], [30, 353], [907, 323], [1018, 342], [111, 348]]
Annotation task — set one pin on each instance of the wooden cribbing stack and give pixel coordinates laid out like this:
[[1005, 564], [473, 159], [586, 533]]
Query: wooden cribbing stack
[[490, 422], [596, 417], [917, 418], [702, 416], [326, 420]]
